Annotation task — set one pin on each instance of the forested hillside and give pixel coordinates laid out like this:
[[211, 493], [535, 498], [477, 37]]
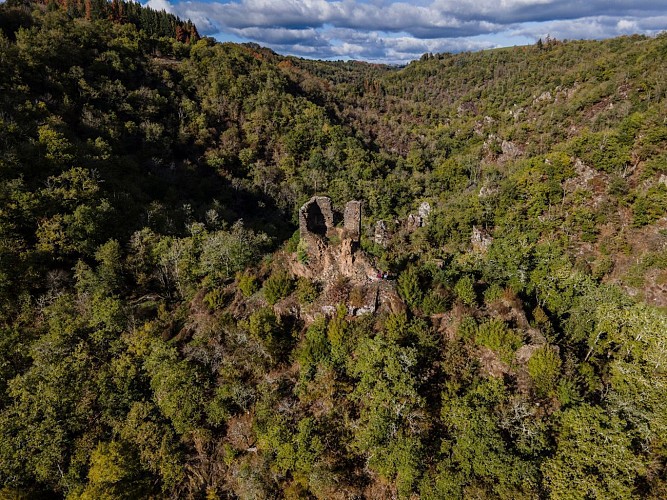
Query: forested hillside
[[166, 331]]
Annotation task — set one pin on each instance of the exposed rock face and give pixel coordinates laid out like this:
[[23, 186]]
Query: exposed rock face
[[352, 220], [424, 211], [329, 261], [420, 219], [388, 299], [413, 222], [316, 216], [381, 236], [480, 239], [365, 301], [510, 150], [379, 296], [544, 96], [487, 191]]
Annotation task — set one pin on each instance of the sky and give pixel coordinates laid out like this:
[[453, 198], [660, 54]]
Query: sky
[[396, 32]]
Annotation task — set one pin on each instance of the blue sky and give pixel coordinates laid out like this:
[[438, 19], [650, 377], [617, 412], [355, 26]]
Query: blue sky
[[399, 31]]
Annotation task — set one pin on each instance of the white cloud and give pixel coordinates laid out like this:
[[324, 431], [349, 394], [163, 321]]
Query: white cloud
[[160, 5], [401, 30], [626, 26], [283, 36]]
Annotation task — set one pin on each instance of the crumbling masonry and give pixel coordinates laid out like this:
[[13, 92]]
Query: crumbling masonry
[[316, 217]]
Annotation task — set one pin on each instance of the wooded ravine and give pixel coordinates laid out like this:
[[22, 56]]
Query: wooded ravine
[[494, 325]]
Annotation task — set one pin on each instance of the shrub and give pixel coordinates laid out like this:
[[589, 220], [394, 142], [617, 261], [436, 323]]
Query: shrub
[[276, 338], [302, 252], [543, 368], [435, 303], [277, 286], [293, 242], [306, 291], [493, 293], [215, 299], [467, 328], [465, 291], [247, 283], [495, 335], [650, 207], [263, 323]]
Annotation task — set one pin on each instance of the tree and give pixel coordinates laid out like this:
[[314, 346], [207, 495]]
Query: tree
[[225, 253], [410, 288], [178, 387], [593, 458], [391, 418], [115, 472], [476, 457]]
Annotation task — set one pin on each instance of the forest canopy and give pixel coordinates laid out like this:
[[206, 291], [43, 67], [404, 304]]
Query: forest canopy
[[163, 333]]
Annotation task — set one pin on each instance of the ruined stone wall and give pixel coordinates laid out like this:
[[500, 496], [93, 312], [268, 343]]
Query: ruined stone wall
[[352, 219], [316, 216]]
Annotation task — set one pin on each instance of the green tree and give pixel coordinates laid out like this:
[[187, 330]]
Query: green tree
[[477, 458], [392, 419], [178, 387], [114, 473], [410, 288], [593, 458], [226, 252]]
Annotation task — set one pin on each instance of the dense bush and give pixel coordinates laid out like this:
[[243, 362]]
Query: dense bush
[[277, 286]]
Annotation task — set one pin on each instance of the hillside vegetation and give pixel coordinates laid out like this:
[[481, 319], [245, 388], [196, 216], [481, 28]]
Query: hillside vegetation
[[156, 341]]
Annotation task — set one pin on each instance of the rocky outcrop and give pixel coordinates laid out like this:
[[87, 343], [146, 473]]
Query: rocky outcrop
[[424, 211], [381, 234], [331, 256], [420, 219], [481, 240], [510, 151]]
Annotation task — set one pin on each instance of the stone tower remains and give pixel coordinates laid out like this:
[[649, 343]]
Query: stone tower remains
[[352, 220], [316, 217]]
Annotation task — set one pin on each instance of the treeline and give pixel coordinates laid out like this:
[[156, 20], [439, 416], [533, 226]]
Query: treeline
[[154, 343], [154, 23]]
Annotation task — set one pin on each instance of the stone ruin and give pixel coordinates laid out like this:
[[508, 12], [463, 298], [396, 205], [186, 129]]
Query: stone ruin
[[332, 250], [352, 220], [331, 255], [316, 217]]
